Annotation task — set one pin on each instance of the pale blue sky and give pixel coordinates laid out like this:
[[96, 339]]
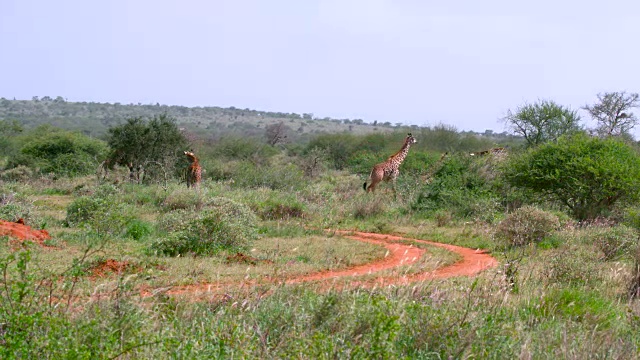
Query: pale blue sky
[[462, 63]]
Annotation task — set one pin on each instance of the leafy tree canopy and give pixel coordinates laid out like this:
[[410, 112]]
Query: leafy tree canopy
[[613, 113], [139, 142], [542, 121], [586, 174]]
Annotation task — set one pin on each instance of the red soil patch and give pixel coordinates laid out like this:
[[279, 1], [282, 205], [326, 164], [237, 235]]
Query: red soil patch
[[109, 266], [20, 231], [472, 263]]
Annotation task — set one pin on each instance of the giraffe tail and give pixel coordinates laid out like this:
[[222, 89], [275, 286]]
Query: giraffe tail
[[365, 186]]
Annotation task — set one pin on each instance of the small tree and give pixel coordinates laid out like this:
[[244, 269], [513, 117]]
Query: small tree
[[276, 133], [543, 121], [612, 113], [138, 143], [587, 175]]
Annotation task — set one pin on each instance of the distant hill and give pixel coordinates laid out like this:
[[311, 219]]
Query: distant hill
[[204, 122]]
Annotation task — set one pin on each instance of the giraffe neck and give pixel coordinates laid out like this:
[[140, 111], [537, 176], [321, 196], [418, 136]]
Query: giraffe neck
[[194, 160], [398, 158]]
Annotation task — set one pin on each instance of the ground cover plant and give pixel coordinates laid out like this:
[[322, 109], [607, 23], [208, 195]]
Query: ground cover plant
[[276, 256]]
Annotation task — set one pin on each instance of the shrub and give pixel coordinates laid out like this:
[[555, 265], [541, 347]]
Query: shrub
[[280, 209], [459, 187], [19, 173], [585, 174], [338, 147], [59, 152], [100, 212], [82, 210], [573, 265], [223, 224], [526, 225], [613, 241], [137, 229]]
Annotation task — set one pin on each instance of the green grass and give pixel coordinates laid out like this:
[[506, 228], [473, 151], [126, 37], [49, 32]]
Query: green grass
[[553, 314]]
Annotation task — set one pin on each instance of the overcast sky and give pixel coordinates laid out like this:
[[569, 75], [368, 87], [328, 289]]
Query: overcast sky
[[461, 63]]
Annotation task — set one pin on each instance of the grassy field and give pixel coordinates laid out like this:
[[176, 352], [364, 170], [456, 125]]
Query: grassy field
[[557, 299]]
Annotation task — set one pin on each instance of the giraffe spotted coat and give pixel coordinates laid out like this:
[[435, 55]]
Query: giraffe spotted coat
[[390, 169], [194, 171]]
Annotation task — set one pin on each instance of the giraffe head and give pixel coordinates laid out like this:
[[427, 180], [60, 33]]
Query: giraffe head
[[191, 155], [410, 139]]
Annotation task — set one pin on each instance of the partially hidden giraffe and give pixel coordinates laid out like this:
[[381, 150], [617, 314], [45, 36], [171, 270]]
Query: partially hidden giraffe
[[426, 178], [194, 171], [390, 169]]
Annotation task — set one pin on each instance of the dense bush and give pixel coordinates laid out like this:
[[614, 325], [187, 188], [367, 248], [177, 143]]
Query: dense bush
[[60, 152], [461, 188], [338, 147], [152, 145], [222, 224], [526, 225], [100, 212], [587, 175]]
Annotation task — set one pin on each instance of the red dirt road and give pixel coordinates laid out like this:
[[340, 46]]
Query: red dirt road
[[472, 263], [398, 254]]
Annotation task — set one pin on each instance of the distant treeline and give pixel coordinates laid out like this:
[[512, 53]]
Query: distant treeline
[[209, 122]]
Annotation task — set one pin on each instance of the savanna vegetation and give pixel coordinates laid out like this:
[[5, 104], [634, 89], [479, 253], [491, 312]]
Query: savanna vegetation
[[557, 207]]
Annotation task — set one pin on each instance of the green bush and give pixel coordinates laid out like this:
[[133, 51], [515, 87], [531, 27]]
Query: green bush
[[100, 212], [57, 151], [284, 208], [222, 224], [526, 225], [338, 147], [82, 209], [459, 187], [137, 229], [587, 175]]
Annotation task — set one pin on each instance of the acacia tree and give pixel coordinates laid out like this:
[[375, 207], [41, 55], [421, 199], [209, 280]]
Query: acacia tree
[[542, 121], [139, 142], [588, 175], [612, 113], [276, 133]]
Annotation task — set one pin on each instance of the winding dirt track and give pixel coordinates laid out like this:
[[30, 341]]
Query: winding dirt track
[[398, 254], [472, 263]]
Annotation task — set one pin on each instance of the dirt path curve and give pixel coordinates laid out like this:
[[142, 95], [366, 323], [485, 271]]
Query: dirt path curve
[[472, 263], [398, 254]]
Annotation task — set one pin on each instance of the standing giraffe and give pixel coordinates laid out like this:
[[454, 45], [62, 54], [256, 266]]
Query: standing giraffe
[[194, 172], [390, 169]]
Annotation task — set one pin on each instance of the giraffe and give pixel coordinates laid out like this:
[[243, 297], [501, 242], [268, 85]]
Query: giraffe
[[390, 169], [194, 171]]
